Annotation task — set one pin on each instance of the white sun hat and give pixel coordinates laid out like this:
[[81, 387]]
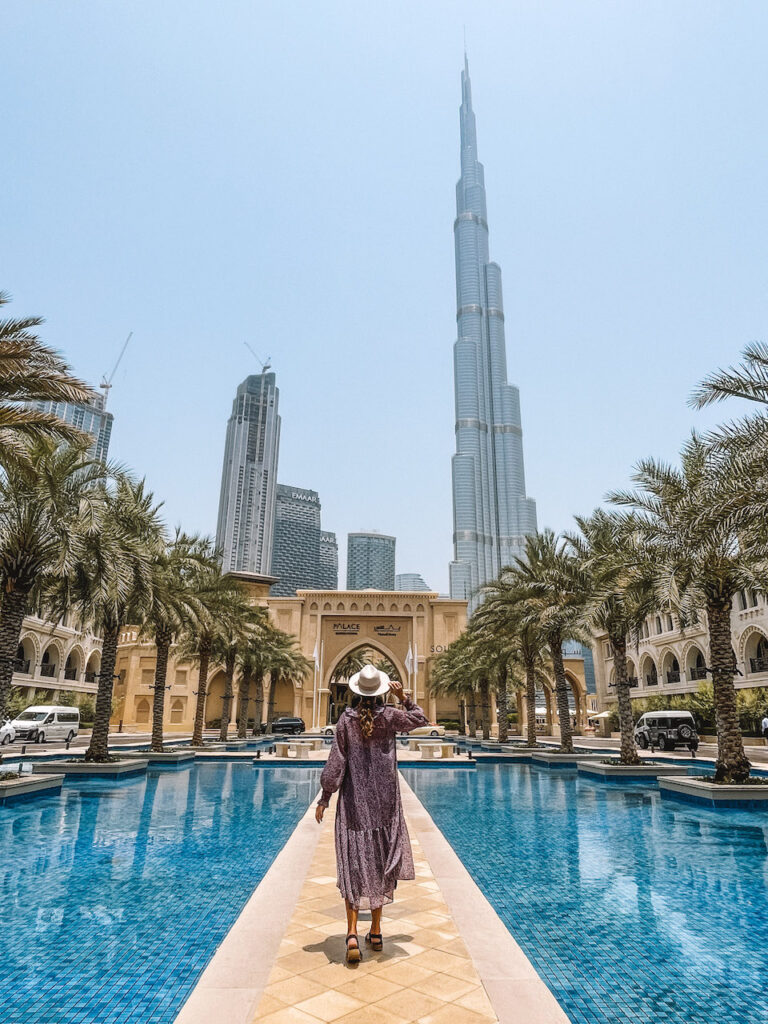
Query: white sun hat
[[369, 682]]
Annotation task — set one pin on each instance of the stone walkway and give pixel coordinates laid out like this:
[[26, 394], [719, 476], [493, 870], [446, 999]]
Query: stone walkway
[[425, 973]]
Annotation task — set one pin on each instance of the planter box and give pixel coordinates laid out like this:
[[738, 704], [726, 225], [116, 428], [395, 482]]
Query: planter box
[[113, 769], [28, 786], [556, 759], [164, 757], [699, 791], [630, 772]]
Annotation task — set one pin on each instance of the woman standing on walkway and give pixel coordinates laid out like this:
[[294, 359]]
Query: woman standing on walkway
[[373, 850]]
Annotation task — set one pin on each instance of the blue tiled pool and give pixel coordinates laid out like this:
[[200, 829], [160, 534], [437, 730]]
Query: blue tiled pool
[[634, 909], [114, 896]]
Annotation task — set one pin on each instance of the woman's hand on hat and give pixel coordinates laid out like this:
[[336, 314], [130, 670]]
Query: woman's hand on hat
[[396, 688]]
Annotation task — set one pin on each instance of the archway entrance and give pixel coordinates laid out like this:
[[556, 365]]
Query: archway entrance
[[349, 662]]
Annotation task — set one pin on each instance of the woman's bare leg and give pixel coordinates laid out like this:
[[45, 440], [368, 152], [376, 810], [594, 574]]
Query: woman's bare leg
[[351, 919], [376, 921]]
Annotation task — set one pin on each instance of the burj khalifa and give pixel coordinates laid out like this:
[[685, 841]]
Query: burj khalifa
[[491, 512]]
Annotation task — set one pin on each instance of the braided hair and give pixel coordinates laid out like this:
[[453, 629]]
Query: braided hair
[[365, 707]]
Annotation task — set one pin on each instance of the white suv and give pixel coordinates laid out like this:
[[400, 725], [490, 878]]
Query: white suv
[[666, 730], [47, 722]]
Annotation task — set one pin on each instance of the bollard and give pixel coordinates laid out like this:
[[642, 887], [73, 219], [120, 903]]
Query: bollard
[[120, 726], [67, 744], [23, 749], [258, 755]]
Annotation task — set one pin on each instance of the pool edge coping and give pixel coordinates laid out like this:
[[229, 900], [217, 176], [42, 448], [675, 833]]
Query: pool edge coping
[[234, 979], [515, 988]]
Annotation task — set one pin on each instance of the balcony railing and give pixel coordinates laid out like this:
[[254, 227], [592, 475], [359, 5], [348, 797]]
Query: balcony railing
[[633, 682], [90, 677], [758, 664], [651, 679], [698, 673], [673, 677], [48, 670], [21, 665], [70, 673]]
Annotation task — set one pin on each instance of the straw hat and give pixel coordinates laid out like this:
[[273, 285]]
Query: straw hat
[[369, 682]]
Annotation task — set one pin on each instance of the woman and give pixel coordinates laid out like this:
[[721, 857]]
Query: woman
[[373, 850]]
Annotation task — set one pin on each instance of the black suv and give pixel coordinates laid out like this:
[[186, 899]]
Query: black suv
[[288, 725]]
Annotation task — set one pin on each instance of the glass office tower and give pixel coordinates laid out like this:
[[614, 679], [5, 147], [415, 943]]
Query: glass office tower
[[244, 532], [91, 417], [491, 513], [370, 561], [302, 553]]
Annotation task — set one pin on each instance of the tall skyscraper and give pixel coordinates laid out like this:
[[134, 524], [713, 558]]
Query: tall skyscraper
[[244, 532], [491, 513], [411, 581], [370, 561], [91, 417], [300, 558], [329, 561]]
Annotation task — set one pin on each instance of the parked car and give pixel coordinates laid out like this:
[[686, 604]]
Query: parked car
[[328, 730], [667, 730], [428, 730], [47, 722], [288, 725], [7, 732]]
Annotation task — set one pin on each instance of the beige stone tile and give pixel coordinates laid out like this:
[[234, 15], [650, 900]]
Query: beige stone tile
[[268, 1005], [288, 1015], [452, 1013], [369, 988], [303, 960], [403, 973], [447, 963], [455, 946], [292, 990], [278, 973], [432, 938], [410, 1004], [329, 1006], [477, 999], [444, 986], [371, 1015], [333, 975]]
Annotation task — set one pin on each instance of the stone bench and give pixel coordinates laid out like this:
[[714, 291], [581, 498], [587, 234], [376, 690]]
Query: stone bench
[[417, 743], [429, 750]]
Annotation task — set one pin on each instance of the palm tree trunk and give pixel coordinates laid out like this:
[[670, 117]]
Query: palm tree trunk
[[243, 694], [561, 693], [13, 608], [471, 715], [485, 708], [259, 704], [226, 700], [163, 639], [530, 703], [462, 717], [628, 753], [502, 708], [98, 749], [202, 693], [732, 764]]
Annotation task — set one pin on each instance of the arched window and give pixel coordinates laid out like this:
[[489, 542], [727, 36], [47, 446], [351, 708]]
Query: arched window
[[177, 710], [651, 675], [142, 711], [658, 625]]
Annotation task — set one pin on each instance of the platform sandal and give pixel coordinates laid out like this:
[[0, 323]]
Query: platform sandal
[[376, 942], [354, 956]]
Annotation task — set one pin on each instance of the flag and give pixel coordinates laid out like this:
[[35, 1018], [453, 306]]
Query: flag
[[316, 656], [409, 660]]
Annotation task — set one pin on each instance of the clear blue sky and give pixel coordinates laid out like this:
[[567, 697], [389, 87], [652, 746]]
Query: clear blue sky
[[206, 174]]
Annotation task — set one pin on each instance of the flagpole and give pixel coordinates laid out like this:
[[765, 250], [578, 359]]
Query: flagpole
[[322, 649]]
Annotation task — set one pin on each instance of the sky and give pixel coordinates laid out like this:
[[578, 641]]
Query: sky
[[280, 174]]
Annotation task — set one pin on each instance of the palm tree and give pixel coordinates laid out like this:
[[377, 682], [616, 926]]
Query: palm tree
[[287, 664], [220, 599], [174, 606], [621, 595], [705, 546], [112, 581], [29, 372], [236, 634], [46, 500], [505, 613], [555, 601], [255, 660], [450, 677], [350, 664], [387, 666]]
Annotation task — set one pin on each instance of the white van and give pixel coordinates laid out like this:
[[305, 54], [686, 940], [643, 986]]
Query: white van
[[47, 722]]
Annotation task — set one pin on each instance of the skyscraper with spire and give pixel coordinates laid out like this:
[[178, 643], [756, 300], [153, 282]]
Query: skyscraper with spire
[[491, 513]]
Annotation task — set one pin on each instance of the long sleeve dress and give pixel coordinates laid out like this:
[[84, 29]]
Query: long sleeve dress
[[373, 850]]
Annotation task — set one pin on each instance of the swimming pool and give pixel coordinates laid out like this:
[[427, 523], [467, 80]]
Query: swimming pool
[[634, 909], [114, 896]]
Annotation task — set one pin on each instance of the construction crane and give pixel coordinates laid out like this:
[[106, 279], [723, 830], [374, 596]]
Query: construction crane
[[265, 365], [106, 382]]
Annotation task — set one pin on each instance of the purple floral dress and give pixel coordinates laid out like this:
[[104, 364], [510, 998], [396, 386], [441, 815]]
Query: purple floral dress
[[373, 850]]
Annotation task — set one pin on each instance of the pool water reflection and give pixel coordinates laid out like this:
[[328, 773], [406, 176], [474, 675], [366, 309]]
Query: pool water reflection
[[114, 896], [634, 909]]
